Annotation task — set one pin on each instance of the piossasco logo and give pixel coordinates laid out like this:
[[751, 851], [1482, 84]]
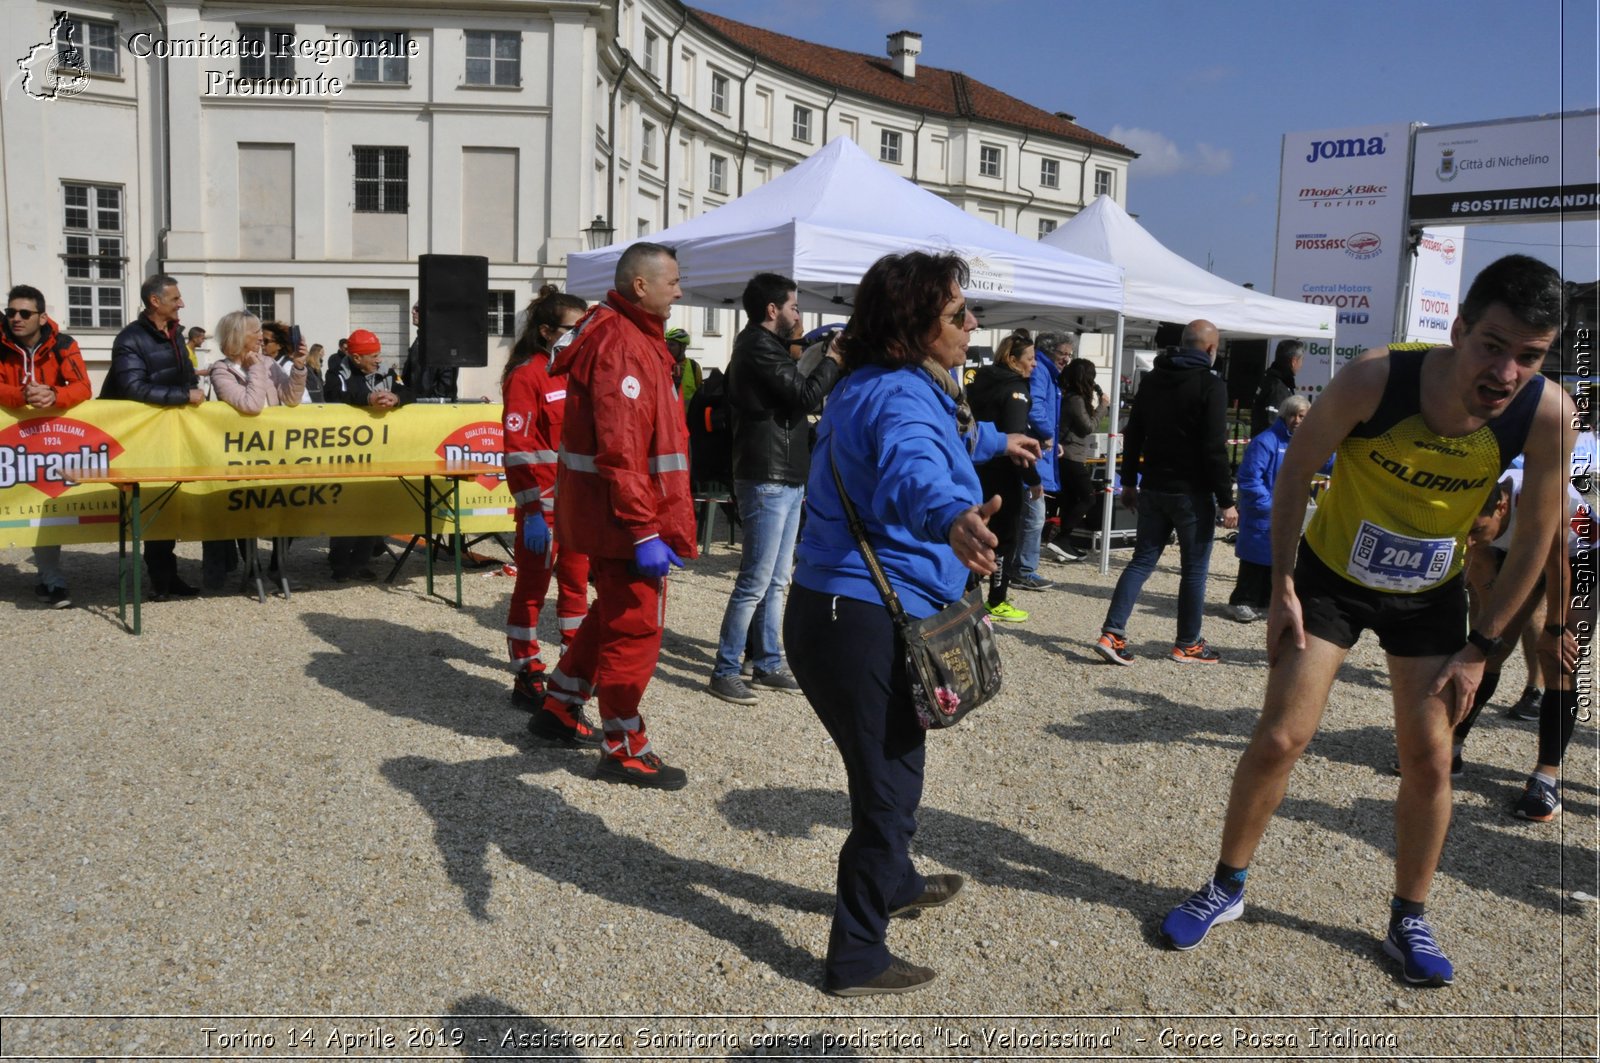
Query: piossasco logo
[[44, 454], [483, 441]]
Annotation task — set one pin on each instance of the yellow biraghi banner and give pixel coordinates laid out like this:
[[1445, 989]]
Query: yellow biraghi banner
[[39, 453]]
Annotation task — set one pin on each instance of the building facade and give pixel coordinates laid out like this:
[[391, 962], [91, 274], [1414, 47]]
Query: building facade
[[297, 161]]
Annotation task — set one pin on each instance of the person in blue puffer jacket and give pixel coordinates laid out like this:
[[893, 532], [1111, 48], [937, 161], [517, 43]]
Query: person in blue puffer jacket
[[1258, 471], [893, 426], [1044, 418]]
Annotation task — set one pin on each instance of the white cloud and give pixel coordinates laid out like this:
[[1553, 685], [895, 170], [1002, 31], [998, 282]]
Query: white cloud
[[1160, 156]]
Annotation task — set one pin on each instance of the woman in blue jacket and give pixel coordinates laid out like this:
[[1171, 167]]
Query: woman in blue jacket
[[1258, 471], [894, 429]]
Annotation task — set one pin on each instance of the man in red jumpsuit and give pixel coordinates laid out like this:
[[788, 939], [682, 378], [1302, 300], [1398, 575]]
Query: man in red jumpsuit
[[534, 403], [624, 497]]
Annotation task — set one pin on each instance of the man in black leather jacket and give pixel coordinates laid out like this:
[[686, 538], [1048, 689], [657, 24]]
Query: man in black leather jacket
[[150, 363], [769, 398]]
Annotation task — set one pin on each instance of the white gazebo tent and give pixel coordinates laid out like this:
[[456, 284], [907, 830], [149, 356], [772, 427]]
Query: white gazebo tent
[[1161, 285], [828, 219]]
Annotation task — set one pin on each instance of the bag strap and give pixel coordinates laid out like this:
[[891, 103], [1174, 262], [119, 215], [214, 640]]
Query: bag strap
[[857, 528]]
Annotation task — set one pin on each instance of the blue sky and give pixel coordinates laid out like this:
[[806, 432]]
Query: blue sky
[[1206, 90]]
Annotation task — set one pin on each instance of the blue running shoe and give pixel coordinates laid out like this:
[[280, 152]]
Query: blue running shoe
[[1422, 961], [1188, 924]]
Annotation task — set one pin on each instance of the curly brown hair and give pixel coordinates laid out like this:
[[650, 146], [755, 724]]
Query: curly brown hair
[[898, 304]]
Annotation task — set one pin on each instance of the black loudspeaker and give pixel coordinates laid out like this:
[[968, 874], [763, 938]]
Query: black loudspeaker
[[1247, 361], [454, 304], [1168, 334]]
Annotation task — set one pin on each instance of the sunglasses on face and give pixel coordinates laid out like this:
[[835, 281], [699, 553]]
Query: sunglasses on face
[[958, 318], [12, 312]]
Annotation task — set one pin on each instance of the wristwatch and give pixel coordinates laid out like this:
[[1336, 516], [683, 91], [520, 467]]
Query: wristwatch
[[1486, 645], [1555, 629]]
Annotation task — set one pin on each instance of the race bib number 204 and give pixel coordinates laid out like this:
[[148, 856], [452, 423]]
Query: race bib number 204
[[1386, 561]]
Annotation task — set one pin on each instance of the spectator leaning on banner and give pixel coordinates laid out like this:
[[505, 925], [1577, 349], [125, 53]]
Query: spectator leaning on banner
[[358, 383], [150, 364], [40, 370]]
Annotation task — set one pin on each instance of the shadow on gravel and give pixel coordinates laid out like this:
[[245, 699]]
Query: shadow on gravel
[[1487, 849], [479, 803], [412, 674], [492, 1029], [1140, 717], [993, 855]]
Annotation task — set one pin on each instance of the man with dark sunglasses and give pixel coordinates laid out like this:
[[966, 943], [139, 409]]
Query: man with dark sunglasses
[[41, 369]]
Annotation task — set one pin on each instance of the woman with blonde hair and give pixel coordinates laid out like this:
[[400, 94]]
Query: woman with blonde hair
[[245, 377]]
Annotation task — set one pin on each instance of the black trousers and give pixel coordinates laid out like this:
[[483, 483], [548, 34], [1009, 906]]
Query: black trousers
[[1078, 496], [846, 656], [1000, 477], [1253, 585]]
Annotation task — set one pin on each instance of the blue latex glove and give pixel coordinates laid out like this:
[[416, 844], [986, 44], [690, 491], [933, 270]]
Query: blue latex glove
[[536, 534], [655, 558]]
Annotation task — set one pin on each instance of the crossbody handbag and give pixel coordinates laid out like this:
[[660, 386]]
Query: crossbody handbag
[[951, 658]]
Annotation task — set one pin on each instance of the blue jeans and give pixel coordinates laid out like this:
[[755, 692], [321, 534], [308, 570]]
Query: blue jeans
[[1028, 533], [1194, 518], [770, 515]]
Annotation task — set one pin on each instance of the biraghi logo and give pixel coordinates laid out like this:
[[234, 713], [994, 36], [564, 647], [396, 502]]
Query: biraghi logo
[[1353, 148], [45, 453], [483, 441]]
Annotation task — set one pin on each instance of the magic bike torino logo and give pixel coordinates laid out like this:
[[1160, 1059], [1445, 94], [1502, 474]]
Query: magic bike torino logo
[[483, 441], [54, 68], [43, 454], [1346, 195]]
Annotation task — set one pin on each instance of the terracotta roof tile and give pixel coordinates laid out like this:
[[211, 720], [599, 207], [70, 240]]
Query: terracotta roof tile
[[945, 92]]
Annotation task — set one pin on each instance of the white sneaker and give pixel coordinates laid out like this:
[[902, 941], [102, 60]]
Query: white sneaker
[[1244, 614]]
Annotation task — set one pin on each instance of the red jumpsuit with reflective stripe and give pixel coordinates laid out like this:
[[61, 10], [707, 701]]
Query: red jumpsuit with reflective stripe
[[624, 478], [534, 404]]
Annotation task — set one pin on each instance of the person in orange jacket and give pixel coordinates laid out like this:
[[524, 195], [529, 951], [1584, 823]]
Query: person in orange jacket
[[41, 368], [532, 416], [624, 499]]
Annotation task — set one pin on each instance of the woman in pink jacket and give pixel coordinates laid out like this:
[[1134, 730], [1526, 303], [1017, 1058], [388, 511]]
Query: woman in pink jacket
[[245, 378], [249, 381]]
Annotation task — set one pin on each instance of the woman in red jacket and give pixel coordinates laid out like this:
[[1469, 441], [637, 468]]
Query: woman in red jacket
[[534, 400]]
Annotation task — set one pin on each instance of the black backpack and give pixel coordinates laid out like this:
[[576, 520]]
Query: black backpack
[[711, 435]]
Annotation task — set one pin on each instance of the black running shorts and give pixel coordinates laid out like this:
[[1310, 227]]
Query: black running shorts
[[1430, 623]]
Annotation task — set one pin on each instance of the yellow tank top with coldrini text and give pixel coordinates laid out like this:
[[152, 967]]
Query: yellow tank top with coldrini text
[[1396, 515]]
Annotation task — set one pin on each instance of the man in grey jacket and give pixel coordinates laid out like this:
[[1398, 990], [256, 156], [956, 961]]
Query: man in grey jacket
[[770, 398]]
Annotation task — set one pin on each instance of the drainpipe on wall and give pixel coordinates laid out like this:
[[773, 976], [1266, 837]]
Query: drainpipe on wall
[[166, 150], [916, 145], [668, 134], [1031, 194], [1083, 179], [825, 109], [611, 122], [744, 130]]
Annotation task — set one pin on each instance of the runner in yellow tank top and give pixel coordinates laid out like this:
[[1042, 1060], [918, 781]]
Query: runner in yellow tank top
[[1421, 437]]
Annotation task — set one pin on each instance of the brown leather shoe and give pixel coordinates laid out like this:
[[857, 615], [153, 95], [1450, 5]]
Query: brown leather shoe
[[937, 890], [899, 977]]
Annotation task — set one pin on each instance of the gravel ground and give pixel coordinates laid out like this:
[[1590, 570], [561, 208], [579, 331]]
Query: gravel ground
[[315, 828]]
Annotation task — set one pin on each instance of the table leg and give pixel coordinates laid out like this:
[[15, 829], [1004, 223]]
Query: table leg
[[122, 556], [455, 539], [137, 524], [427, 526]]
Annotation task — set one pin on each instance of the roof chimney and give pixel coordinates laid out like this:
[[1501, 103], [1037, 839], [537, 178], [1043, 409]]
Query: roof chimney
[[904, 46]]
